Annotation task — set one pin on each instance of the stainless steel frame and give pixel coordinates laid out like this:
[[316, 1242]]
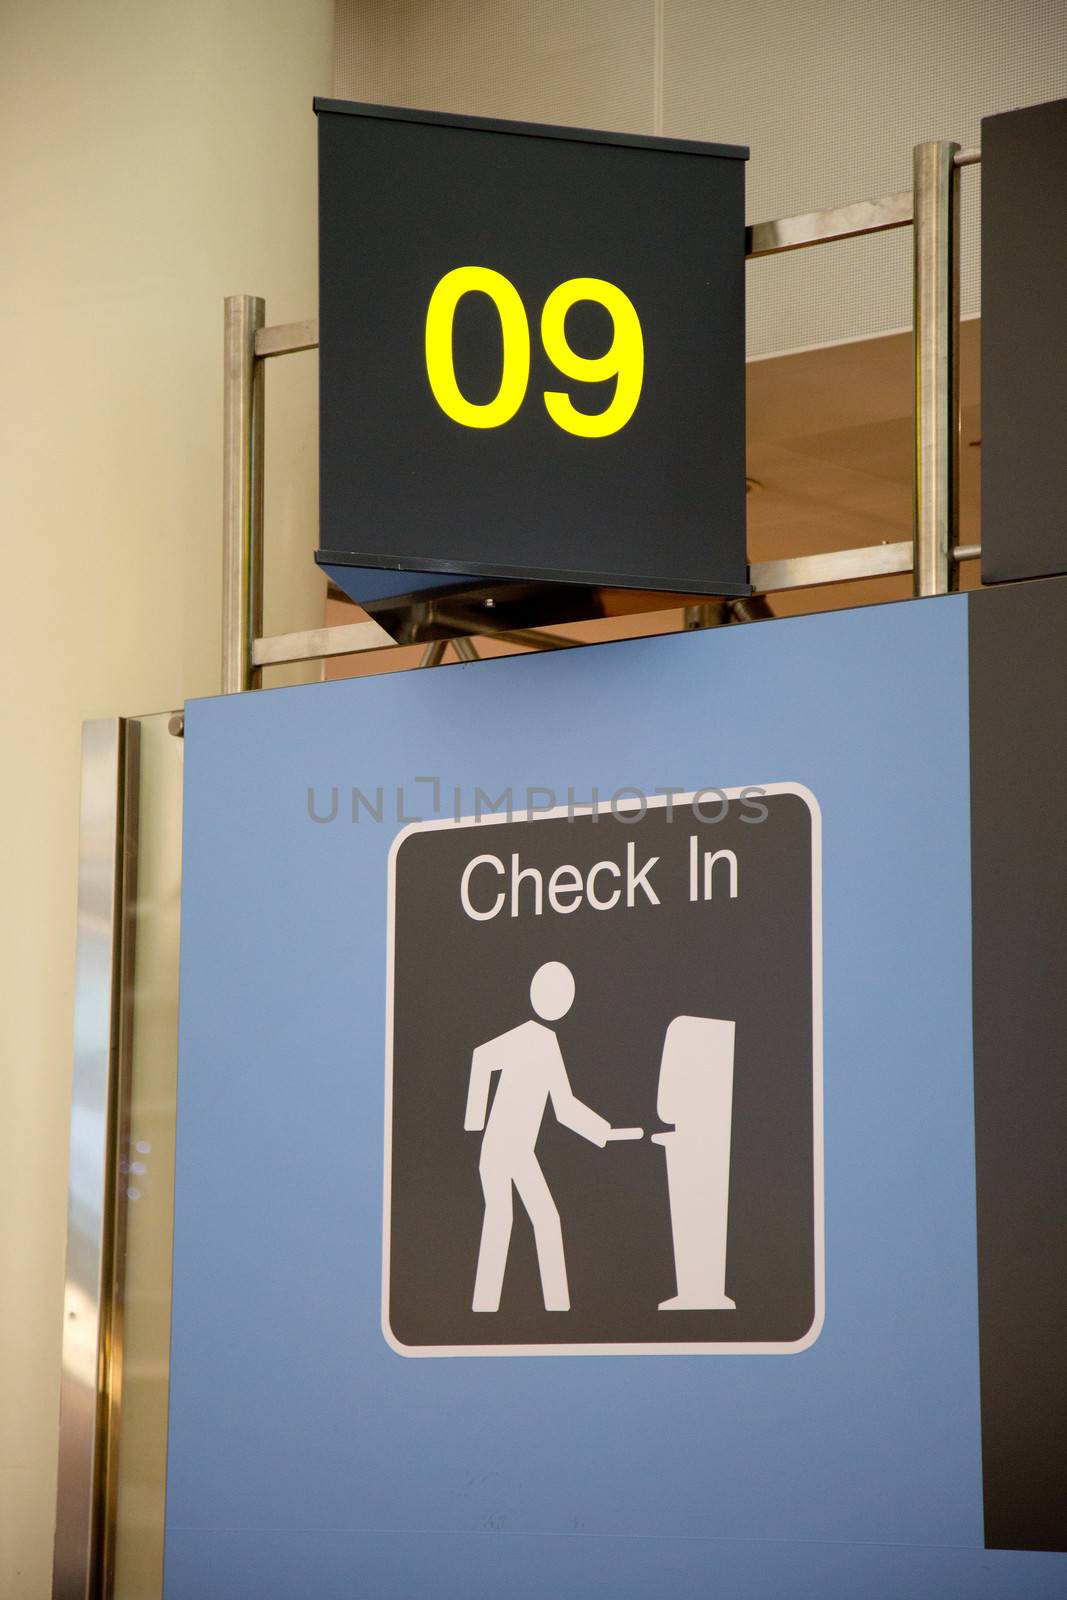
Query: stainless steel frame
[[836, 566], [937, 366], [317, 644], [286, 338], [242, 493], [823, 227], [91, 1387]]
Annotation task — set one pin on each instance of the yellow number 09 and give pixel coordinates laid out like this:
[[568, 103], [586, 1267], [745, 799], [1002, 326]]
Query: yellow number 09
[[624, 360]]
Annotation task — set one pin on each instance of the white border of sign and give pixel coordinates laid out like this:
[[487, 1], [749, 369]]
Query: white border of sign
[[664, 1347]]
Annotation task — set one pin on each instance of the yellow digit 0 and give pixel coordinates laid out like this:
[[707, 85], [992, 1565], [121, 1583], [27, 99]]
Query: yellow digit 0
[[624, 360], [440, 360]]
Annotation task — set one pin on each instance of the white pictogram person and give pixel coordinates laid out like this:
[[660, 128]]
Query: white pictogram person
[[532, 1072]]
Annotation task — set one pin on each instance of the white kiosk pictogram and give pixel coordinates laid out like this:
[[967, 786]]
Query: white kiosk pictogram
[[696, 1083], [532, 1072]]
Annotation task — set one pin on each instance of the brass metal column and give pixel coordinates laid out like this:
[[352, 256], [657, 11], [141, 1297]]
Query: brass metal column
[[937, 379], [242, 477], [91, 1384]]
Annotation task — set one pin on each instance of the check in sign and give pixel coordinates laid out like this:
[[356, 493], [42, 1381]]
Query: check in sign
[[532, 351]]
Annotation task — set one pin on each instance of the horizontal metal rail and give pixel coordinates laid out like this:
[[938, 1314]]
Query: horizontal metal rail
[[843, 566], [286, 338], [822, 227], [316, 644], [835, 566]]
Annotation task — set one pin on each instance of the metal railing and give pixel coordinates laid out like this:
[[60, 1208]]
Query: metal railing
[[930, 208]]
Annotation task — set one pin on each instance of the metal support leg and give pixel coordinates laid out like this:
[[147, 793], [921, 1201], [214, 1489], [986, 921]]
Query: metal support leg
[[937, 384], [242, 474], [535, 639], [707, 614]]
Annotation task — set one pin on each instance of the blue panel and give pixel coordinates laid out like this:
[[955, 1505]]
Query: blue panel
[[305, 1455]]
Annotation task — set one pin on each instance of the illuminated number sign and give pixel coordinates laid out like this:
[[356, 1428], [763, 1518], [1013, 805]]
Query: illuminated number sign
[[532, 352]]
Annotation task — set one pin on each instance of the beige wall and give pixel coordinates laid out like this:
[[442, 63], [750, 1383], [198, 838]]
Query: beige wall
[[157, 157]]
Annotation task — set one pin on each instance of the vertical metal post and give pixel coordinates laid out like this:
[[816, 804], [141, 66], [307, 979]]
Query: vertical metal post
[[91, 1383], [937, 381], [242, 477]]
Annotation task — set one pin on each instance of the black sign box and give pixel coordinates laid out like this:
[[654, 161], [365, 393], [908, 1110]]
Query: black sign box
[[532, 352]]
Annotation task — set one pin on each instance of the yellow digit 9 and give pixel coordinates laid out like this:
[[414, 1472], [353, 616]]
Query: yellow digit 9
[[624, 360], [440, 360]]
